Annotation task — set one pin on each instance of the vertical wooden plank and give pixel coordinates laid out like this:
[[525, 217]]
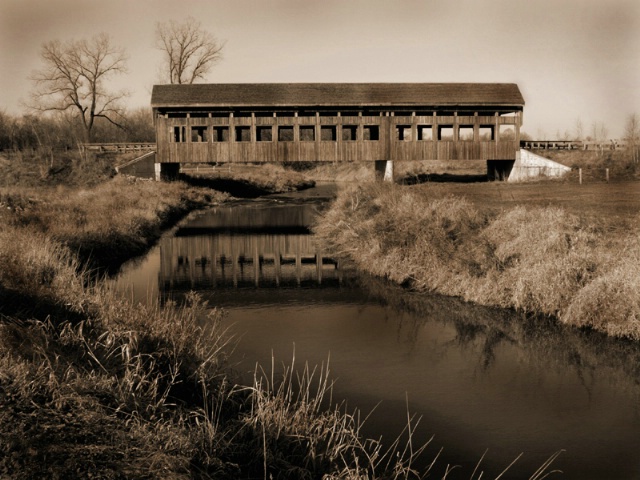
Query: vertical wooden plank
[[456, 127], [252, 138], [434, 133], [317, 137], [476, 128], [276, 263], [256, 263]]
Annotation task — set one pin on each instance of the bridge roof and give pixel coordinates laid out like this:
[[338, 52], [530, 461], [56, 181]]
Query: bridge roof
[[269, 95]]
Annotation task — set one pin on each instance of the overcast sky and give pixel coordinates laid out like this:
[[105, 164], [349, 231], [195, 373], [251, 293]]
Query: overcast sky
[[572, 59]]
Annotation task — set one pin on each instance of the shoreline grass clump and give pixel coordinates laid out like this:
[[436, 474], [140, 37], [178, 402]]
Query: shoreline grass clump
[[252, 182], [536, 259], [108, 224]]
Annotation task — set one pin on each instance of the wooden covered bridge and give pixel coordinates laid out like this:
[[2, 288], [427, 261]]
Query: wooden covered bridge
[[336, 122]]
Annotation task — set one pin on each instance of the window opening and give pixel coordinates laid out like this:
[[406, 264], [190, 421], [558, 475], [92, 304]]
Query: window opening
[[349, 133], [307, 134], [403, 133], [486, 133], [285, 133], [179, 134], [425, 132], [220, 134], [507, 132], [445, 132], [199, 134], [371, 133], [264, 134], [243, 134], [465, 132], [328, 133]]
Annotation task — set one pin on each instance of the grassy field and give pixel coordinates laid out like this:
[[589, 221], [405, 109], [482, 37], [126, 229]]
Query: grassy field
[[612, 205]]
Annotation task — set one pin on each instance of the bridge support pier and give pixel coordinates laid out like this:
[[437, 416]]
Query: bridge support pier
[[167, 171], [384, 170]]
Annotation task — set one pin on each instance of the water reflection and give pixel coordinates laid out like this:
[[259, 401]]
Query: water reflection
[[235, 247]]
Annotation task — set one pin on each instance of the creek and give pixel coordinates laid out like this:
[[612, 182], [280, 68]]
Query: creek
[[478, 378]]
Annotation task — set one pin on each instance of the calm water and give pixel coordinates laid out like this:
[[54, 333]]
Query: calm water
[[479, 378]]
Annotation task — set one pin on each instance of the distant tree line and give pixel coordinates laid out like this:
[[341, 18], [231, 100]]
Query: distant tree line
[[64, 130]]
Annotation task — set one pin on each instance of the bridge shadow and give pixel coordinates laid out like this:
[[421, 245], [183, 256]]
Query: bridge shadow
[[443, 178], [235, 188]]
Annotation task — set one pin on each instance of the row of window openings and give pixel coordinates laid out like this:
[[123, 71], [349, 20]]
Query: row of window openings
[[419, 113], [328, 133]]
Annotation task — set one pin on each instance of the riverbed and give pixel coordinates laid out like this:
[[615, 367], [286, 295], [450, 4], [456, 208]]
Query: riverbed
[[477, 378]]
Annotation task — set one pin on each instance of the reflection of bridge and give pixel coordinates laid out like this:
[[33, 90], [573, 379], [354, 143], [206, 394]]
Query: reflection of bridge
[[257, 260]]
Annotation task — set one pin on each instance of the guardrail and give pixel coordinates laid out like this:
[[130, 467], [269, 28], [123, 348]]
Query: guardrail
[[612, 144], [118, 146]]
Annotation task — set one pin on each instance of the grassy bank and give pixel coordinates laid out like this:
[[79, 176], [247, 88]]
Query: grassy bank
[[540, 259], [107, 224]]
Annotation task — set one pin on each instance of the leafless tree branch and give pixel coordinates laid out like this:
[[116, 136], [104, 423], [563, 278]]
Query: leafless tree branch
[[73, 78], [189, 51]]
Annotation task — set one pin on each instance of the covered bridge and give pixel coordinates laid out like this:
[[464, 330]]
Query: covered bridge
[[336, 122]]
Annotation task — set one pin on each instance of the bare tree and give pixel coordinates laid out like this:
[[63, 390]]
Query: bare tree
[[579, 129], [632, 136], [74, 77], [189, 51], [599, 133]]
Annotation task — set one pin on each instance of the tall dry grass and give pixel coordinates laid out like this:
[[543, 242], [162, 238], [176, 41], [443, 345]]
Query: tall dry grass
[[535, 259], [107, 224], [253, 181]]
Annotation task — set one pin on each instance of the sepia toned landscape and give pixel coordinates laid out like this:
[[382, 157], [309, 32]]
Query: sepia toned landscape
[[221, 264]]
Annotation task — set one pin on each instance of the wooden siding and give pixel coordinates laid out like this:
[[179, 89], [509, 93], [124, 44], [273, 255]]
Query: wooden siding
[[388, 146]]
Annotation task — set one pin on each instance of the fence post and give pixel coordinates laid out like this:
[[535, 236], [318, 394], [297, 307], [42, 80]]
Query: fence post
[[580, 176], [607, 173]]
